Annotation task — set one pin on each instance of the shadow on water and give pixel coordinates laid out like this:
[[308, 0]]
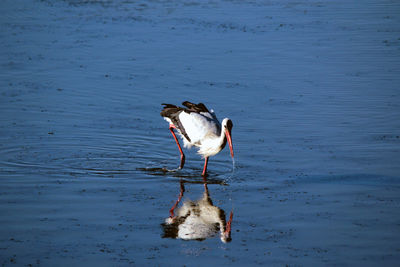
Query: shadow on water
[[185, 177], [197, 220]]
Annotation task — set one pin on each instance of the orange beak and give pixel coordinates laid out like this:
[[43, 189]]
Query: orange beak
[[228, 136], [227, 233]]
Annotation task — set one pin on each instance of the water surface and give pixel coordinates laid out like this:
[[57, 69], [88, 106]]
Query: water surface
[[311, 87]]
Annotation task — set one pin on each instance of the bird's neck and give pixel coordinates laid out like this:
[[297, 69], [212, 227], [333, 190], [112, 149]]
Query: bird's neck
[[222, 139]]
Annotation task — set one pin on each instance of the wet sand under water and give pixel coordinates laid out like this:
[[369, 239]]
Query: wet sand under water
[[87, 165]]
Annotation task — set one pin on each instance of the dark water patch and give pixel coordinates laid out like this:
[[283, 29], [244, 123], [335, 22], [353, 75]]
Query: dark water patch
[[187, 176], [156, 171]]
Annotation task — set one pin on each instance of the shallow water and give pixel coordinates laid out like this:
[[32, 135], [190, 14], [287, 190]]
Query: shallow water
[[312, 89]]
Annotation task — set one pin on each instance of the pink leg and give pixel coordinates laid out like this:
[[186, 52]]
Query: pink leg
[[204, 174], [171, 211], [171, 127]]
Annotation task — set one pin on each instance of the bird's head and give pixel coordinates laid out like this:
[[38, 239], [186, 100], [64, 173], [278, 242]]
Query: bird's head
[[226, 237], [227, 127]]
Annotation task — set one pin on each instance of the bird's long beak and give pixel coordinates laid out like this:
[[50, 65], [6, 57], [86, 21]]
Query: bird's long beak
[[226, 236], [228, 136]]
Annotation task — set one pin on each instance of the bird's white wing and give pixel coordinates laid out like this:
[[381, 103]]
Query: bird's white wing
[[197, 126]]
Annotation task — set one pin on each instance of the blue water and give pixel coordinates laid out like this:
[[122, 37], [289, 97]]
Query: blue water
[[313, 93]]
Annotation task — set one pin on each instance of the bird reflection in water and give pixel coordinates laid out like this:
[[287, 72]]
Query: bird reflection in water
[[197, 220]]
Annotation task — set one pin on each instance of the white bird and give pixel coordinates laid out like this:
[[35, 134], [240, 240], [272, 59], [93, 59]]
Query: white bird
[[198, 127]]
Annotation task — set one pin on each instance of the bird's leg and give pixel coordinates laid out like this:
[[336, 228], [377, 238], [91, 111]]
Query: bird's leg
[[205, 186], [171, 211], [171, 128], [207, 193], [204, 174]]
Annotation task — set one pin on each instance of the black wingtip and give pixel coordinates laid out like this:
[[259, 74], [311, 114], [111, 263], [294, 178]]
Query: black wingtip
[[168, 105], [200, 107]]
